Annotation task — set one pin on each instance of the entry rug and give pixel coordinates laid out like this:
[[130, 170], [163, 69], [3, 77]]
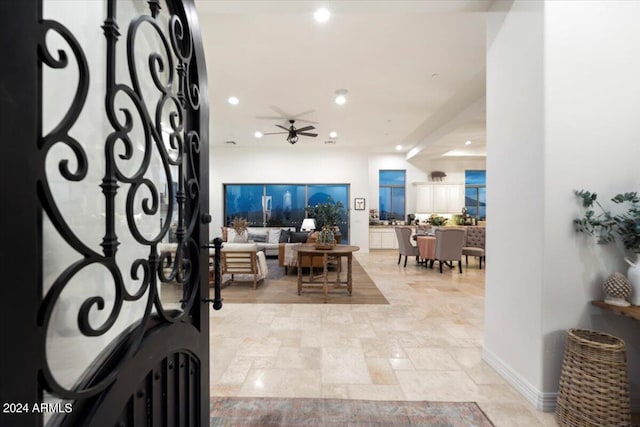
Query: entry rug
[[268, 412]]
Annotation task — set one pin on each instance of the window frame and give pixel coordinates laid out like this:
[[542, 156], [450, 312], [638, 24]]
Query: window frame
[[391, 187]]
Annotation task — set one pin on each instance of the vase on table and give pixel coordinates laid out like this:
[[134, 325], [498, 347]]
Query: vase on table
[[633, 274]]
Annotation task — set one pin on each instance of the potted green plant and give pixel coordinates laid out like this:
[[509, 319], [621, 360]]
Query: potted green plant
[[326, 214], [608, 227]]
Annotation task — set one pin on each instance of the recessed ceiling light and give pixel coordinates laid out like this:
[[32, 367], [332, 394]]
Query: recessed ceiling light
[[467, 143], [398, 147], [257, 134], [233, 100], [333, 134], [322, 14], [341, 96]]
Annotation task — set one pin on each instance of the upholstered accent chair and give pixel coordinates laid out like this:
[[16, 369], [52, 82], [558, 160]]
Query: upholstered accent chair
[[474, 244], [405, 247], [449, 243]]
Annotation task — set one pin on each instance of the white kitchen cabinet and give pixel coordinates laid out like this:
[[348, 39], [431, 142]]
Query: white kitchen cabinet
[[424, 198], [439, 198], [382, 238]]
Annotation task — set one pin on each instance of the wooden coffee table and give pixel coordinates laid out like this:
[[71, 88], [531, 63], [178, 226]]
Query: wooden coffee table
[[337, 252]]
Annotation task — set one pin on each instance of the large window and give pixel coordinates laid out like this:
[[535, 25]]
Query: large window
[[392, 194], [281, 205], [476, 193]]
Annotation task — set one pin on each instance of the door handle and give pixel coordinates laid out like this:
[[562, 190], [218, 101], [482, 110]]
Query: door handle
[[217, 299], [205, 218]]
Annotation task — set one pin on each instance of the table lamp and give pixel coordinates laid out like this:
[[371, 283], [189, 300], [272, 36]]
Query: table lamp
[[308, 224]]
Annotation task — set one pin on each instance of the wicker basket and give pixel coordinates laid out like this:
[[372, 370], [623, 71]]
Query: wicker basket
[[594, 384]]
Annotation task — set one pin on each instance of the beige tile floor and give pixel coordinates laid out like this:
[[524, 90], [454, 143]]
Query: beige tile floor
[[425, 345]]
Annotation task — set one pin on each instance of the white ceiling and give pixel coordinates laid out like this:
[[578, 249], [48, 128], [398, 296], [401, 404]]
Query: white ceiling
[[275, 58]]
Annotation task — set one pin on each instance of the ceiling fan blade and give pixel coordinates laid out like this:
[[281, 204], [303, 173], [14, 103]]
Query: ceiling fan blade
[[304, 113], [274, 133], [307, 121], [282, 127], [307, 134], [271, 117], [279, 111], [304, 129]]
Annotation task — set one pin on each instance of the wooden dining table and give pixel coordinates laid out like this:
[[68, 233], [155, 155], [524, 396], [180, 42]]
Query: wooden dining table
[[328, 255]]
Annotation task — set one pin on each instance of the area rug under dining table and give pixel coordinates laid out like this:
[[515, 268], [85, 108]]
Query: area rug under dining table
[[269, 411], [282, 288]]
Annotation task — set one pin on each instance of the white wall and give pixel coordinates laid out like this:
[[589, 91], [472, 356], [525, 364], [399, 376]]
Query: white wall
[[514, 163], [592, 104], [562, 105]]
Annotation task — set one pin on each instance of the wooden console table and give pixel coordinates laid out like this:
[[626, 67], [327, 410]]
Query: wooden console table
[[338, 251], [632, 312]]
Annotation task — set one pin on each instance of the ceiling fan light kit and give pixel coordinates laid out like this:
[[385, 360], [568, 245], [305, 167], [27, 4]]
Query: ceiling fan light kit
[[293, 132]]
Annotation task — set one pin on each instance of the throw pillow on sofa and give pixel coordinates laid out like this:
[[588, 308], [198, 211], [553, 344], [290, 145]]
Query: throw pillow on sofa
[[258, 236], [274, 235], [298, 237], [284, 236]]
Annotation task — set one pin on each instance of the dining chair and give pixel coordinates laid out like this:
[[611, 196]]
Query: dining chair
[[405, 247], [449, 243], [474, 244]]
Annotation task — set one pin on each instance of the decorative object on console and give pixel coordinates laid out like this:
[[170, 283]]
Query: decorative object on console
[[608, 227], [633, 274], [617, 290]]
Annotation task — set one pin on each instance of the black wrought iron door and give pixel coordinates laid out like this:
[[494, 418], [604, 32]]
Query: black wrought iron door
[[105, 194]]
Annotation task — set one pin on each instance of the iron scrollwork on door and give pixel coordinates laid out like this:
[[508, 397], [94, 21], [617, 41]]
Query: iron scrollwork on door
[[162, 130]]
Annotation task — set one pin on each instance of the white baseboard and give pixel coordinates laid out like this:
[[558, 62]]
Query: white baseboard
[[542, 401]]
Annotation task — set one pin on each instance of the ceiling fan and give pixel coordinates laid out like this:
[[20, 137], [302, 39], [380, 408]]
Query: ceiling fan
[[293, 132]]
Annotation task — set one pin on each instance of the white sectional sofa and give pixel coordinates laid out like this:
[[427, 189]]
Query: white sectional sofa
[[266, 238]]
